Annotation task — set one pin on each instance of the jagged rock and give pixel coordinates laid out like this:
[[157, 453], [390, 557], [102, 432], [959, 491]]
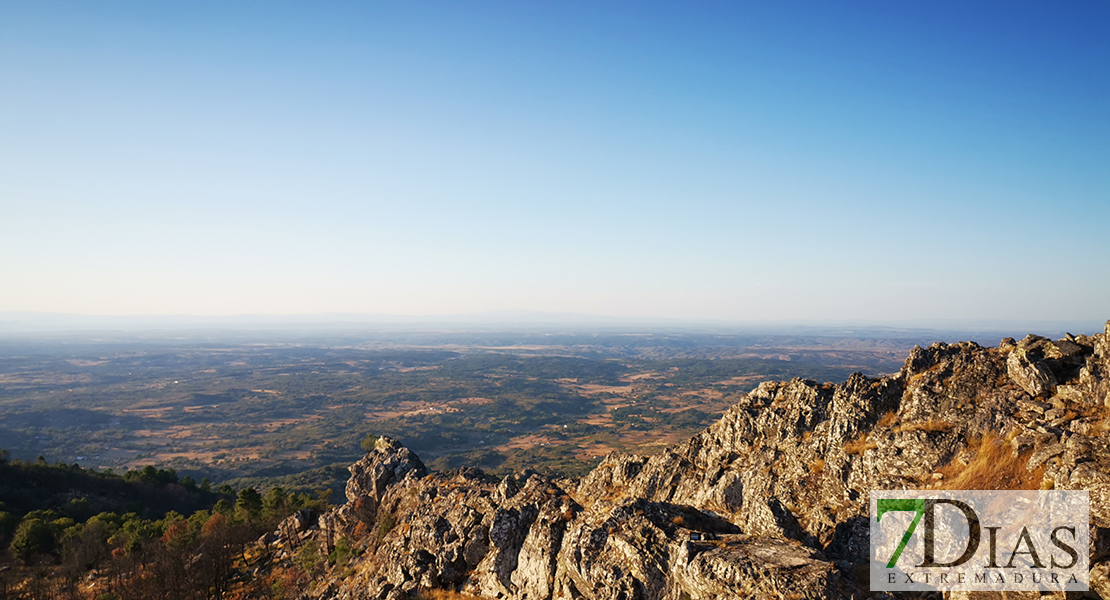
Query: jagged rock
[[754, 568], [1099, 579], [293, 529], [1094, 377], [1029, 372], [769, 502], [387, 463], [1040, 456]]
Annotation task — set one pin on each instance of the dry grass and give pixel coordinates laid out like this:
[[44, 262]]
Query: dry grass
[[817, 466], [1099, 417], [888, 419], [860, 445], [927, 426], [994, 468]]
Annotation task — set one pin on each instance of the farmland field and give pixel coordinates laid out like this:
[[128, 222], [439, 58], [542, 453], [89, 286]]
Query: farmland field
[[294, 409]]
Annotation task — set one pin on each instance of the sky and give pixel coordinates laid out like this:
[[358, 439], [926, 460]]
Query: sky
[[748, 161]]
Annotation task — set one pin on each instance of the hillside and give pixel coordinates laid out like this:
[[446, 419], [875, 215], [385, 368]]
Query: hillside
[[770, 501], [80, 493]]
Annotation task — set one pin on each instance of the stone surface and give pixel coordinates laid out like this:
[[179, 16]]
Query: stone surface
[[769, 502], [1028, 371]]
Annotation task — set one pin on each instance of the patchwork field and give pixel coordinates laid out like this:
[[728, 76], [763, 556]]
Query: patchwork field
[[296, 411]]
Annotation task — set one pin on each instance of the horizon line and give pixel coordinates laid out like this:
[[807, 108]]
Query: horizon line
[[58, 322]]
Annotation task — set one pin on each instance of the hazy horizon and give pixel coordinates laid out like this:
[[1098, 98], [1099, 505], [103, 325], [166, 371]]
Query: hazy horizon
[[18, 322], [699, 162]]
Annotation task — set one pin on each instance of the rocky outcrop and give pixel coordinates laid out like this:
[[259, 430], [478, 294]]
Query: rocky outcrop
[[769, 502]]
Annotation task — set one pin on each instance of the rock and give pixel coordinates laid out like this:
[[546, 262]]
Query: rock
[[1070, 393], [387, 463], [753, 568], [771, 501], [1099, 579], [1040, 456], [1033, 405], [1030, 373], [1022, 443]]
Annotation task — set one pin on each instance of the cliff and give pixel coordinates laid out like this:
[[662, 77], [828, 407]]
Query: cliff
[[771, 501]]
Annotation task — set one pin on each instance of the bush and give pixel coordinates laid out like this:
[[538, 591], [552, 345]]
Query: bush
[[341, 553], [385, 525], [369, 442], [308, 557]]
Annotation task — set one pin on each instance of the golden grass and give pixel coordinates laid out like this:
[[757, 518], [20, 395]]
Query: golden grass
[[888, 419], [1098, 416], [860, 445], [817, 466], [994, 468]]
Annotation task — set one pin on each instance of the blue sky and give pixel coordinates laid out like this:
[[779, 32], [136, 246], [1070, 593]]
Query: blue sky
[[866, 161]]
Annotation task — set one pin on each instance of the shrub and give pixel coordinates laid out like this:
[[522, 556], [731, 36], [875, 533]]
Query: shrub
[[386, 523], [308, 557], [341, 553], [369, 442]]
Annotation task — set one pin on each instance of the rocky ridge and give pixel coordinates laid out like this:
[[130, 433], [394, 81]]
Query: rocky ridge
[[769, 502]]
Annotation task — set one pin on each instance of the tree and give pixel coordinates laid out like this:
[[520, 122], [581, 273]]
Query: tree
[[8, 523], [273, 505], [31, 538], [249, 504]]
